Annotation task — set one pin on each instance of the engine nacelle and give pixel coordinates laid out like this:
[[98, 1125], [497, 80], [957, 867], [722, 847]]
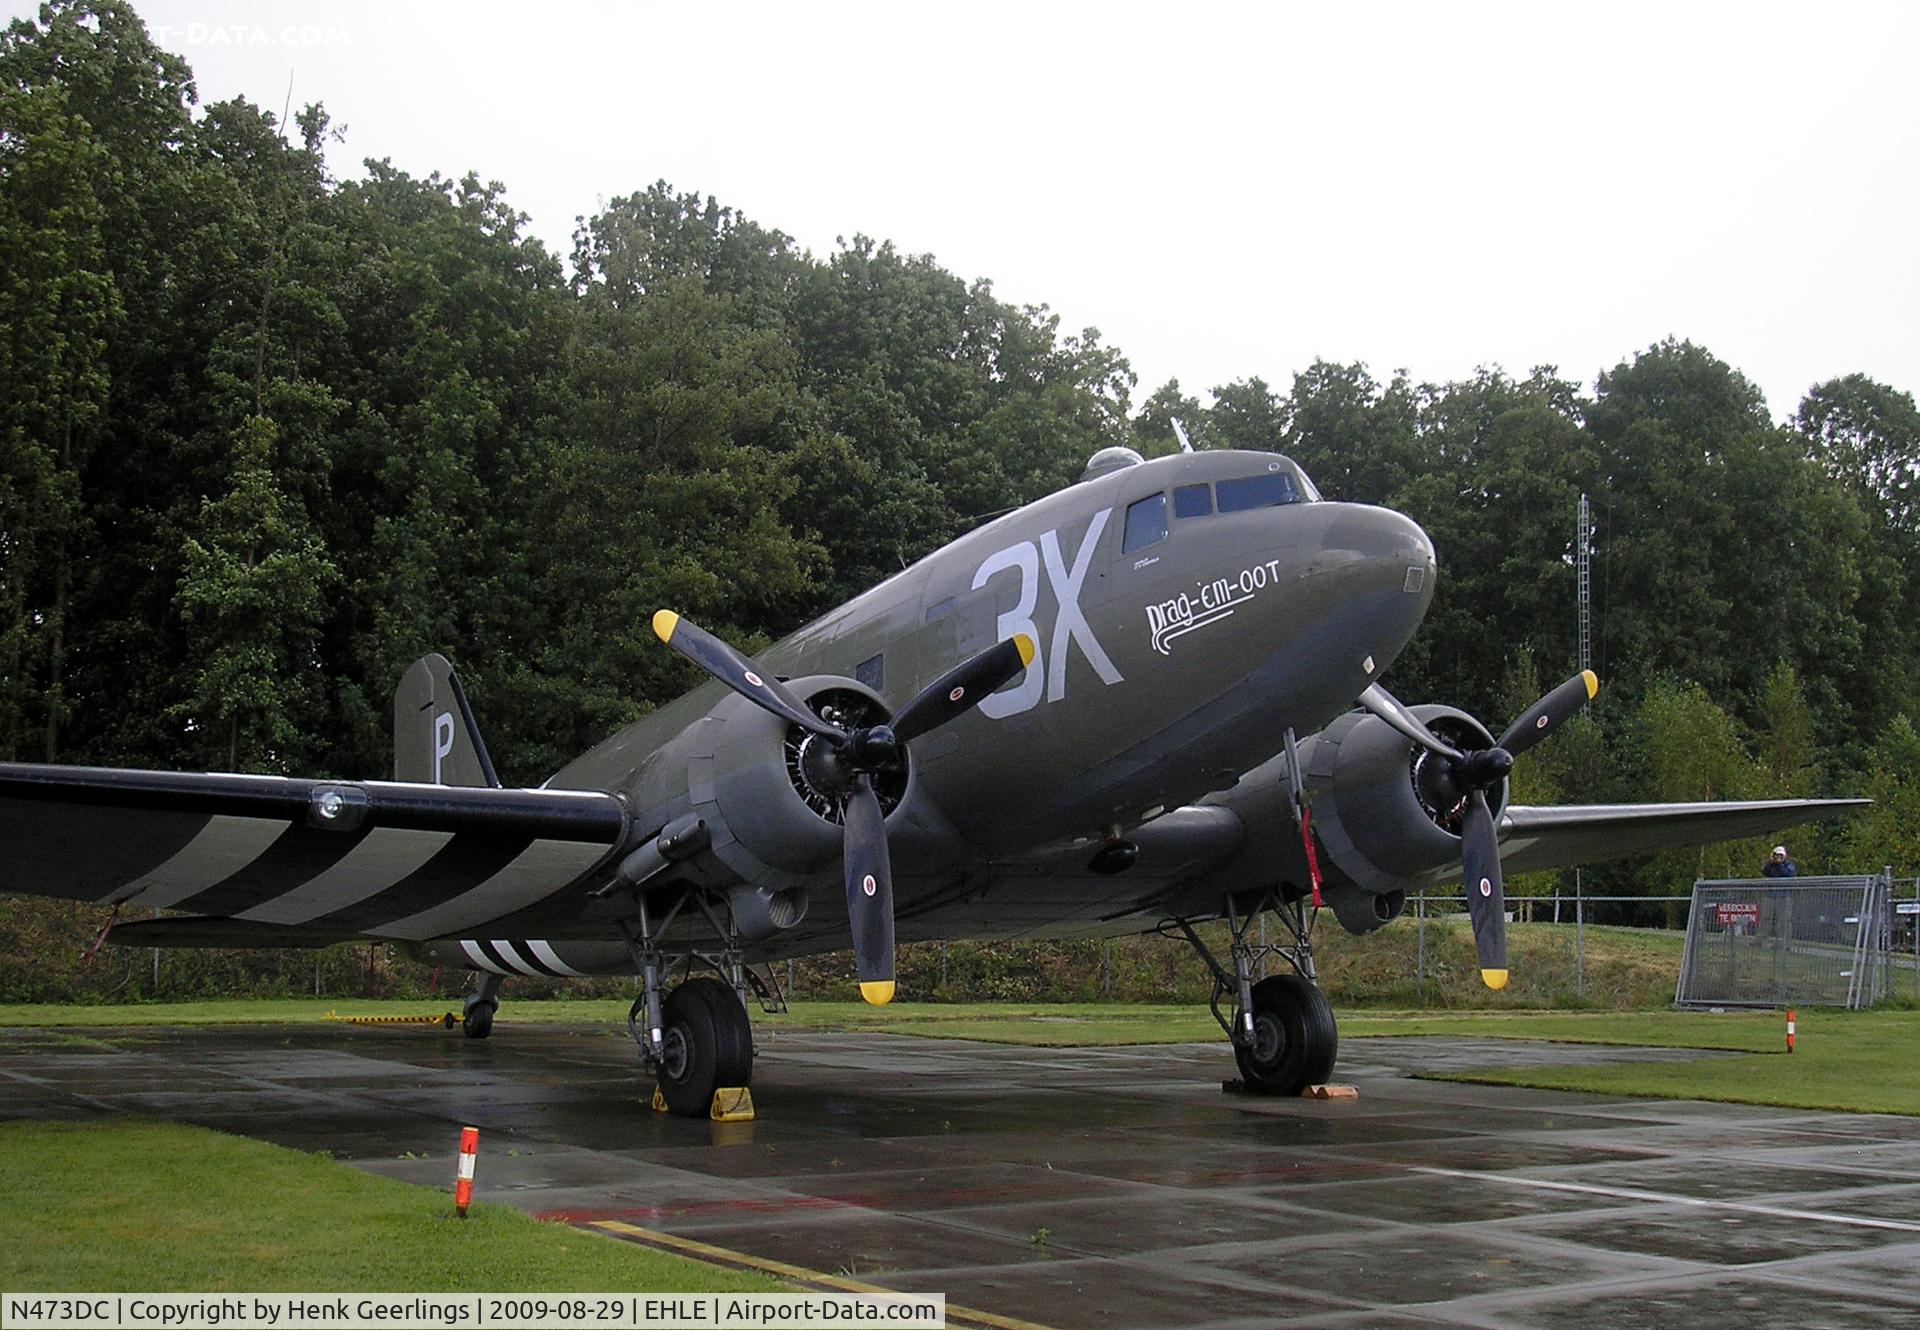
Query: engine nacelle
[[772, 795], [1376, 810]]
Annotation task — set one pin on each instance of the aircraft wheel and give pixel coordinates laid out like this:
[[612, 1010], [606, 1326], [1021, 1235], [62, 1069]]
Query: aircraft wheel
[[709, 1045], [478, 1021], [1294, 1038]]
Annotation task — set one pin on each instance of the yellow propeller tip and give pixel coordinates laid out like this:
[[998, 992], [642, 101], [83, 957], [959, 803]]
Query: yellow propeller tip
[[1494, 979], [877, 992], [664, 623], [1024, 645], [1592, 681]]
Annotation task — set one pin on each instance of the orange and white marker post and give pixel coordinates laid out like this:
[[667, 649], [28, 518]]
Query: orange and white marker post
[[1789, 1029], [463, 1180]]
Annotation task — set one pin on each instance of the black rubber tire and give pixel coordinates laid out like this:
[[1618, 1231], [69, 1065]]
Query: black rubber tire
[[1295, 1039], [709, 1046], [478, 1022]]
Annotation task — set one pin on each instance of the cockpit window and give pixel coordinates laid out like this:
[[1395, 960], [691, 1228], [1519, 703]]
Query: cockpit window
[[1237, 496], [1146, 523], [1193, 501]]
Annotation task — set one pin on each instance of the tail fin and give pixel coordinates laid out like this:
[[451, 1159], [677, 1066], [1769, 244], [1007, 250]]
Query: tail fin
[[435, 741]]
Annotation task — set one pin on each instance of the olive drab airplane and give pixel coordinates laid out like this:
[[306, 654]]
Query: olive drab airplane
[[1147, 701]]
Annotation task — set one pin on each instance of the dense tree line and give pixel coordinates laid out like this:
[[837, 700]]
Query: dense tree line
[[267, 435]]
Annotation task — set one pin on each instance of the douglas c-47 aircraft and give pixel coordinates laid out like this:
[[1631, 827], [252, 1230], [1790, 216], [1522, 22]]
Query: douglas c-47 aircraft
[[1147, 701]]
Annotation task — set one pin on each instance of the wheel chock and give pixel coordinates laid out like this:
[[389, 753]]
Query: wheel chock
[[659, 1104], [1330, 1092], [733, 1104]]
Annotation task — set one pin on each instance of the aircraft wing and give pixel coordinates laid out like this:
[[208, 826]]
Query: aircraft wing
[[319, 859], [1535, 838]]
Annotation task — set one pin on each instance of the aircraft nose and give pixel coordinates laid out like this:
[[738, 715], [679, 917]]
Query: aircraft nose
[[1394, 564]]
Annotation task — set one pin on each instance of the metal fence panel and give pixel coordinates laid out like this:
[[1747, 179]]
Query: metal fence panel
[[1768, 942]]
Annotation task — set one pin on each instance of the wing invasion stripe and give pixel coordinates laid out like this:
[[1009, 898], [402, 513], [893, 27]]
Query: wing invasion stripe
[[480, 958], [547, 956], [545, 869], [373, 865], [224, 847], [299, 855], [463, 864], [122, 847]]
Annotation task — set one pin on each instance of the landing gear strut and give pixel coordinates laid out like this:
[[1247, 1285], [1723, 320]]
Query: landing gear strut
[[1282, 1029], [476, 1019], [697, 1039]]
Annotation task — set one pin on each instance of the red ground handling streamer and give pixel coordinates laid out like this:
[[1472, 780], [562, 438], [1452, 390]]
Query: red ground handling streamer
[[1313, 859], [1789, 1029], [463, 1180]]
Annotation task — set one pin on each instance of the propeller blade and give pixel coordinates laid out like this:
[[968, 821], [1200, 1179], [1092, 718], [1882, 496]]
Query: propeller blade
[[869, 892], [1390, 709], [963, 687], [1550, 712], [1486, 894], [737, 672]]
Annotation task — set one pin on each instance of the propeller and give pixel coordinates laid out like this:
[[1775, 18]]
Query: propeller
[[854, 756], [1467, 776]]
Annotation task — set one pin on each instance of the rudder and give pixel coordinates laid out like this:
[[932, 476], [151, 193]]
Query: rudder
[[435, 739]]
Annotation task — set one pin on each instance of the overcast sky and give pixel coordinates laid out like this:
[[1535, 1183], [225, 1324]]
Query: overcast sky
[[1223, 191]]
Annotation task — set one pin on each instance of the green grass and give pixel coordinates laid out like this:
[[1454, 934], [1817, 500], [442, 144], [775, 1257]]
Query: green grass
[[158, 1207], [1743, 1032], [1856, 1061]]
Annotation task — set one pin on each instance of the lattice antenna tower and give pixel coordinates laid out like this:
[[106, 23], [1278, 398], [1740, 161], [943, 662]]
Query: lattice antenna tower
[[1583, 581]]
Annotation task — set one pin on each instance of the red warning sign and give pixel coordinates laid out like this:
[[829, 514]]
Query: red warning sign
[[1736, 912]]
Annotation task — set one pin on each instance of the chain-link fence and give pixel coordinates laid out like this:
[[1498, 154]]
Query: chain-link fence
[[1768, 942]]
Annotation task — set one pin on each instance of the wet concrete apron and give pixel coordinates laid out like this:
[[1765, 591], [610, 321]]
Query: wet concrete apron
[[1095, 1187]]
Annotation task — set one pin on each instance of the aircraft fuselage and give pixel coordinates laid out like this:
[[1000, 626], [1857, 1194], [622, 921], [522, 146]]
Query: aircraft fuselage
[[1183, 620]]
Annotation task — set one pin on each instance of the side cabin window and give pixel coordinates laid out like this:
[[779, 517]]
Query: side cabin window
[[1238, 496], [1146, 523], [872, 672], [1193, 500]]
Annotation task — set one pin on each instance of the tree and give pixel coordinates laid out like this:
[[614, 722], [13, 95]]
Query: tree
[[1153, 432], [1888, 833], [252, 599], [1867, 435], [1355, 437], [1498, 495], [59, 304], [1787, 753], [1692, 751], [1247, 415]]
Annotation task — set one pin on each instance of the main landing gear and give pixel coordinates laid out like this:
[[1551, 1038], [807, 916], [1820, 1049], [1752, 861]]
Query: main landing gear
[[1282, 1028], [697, 1040]]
